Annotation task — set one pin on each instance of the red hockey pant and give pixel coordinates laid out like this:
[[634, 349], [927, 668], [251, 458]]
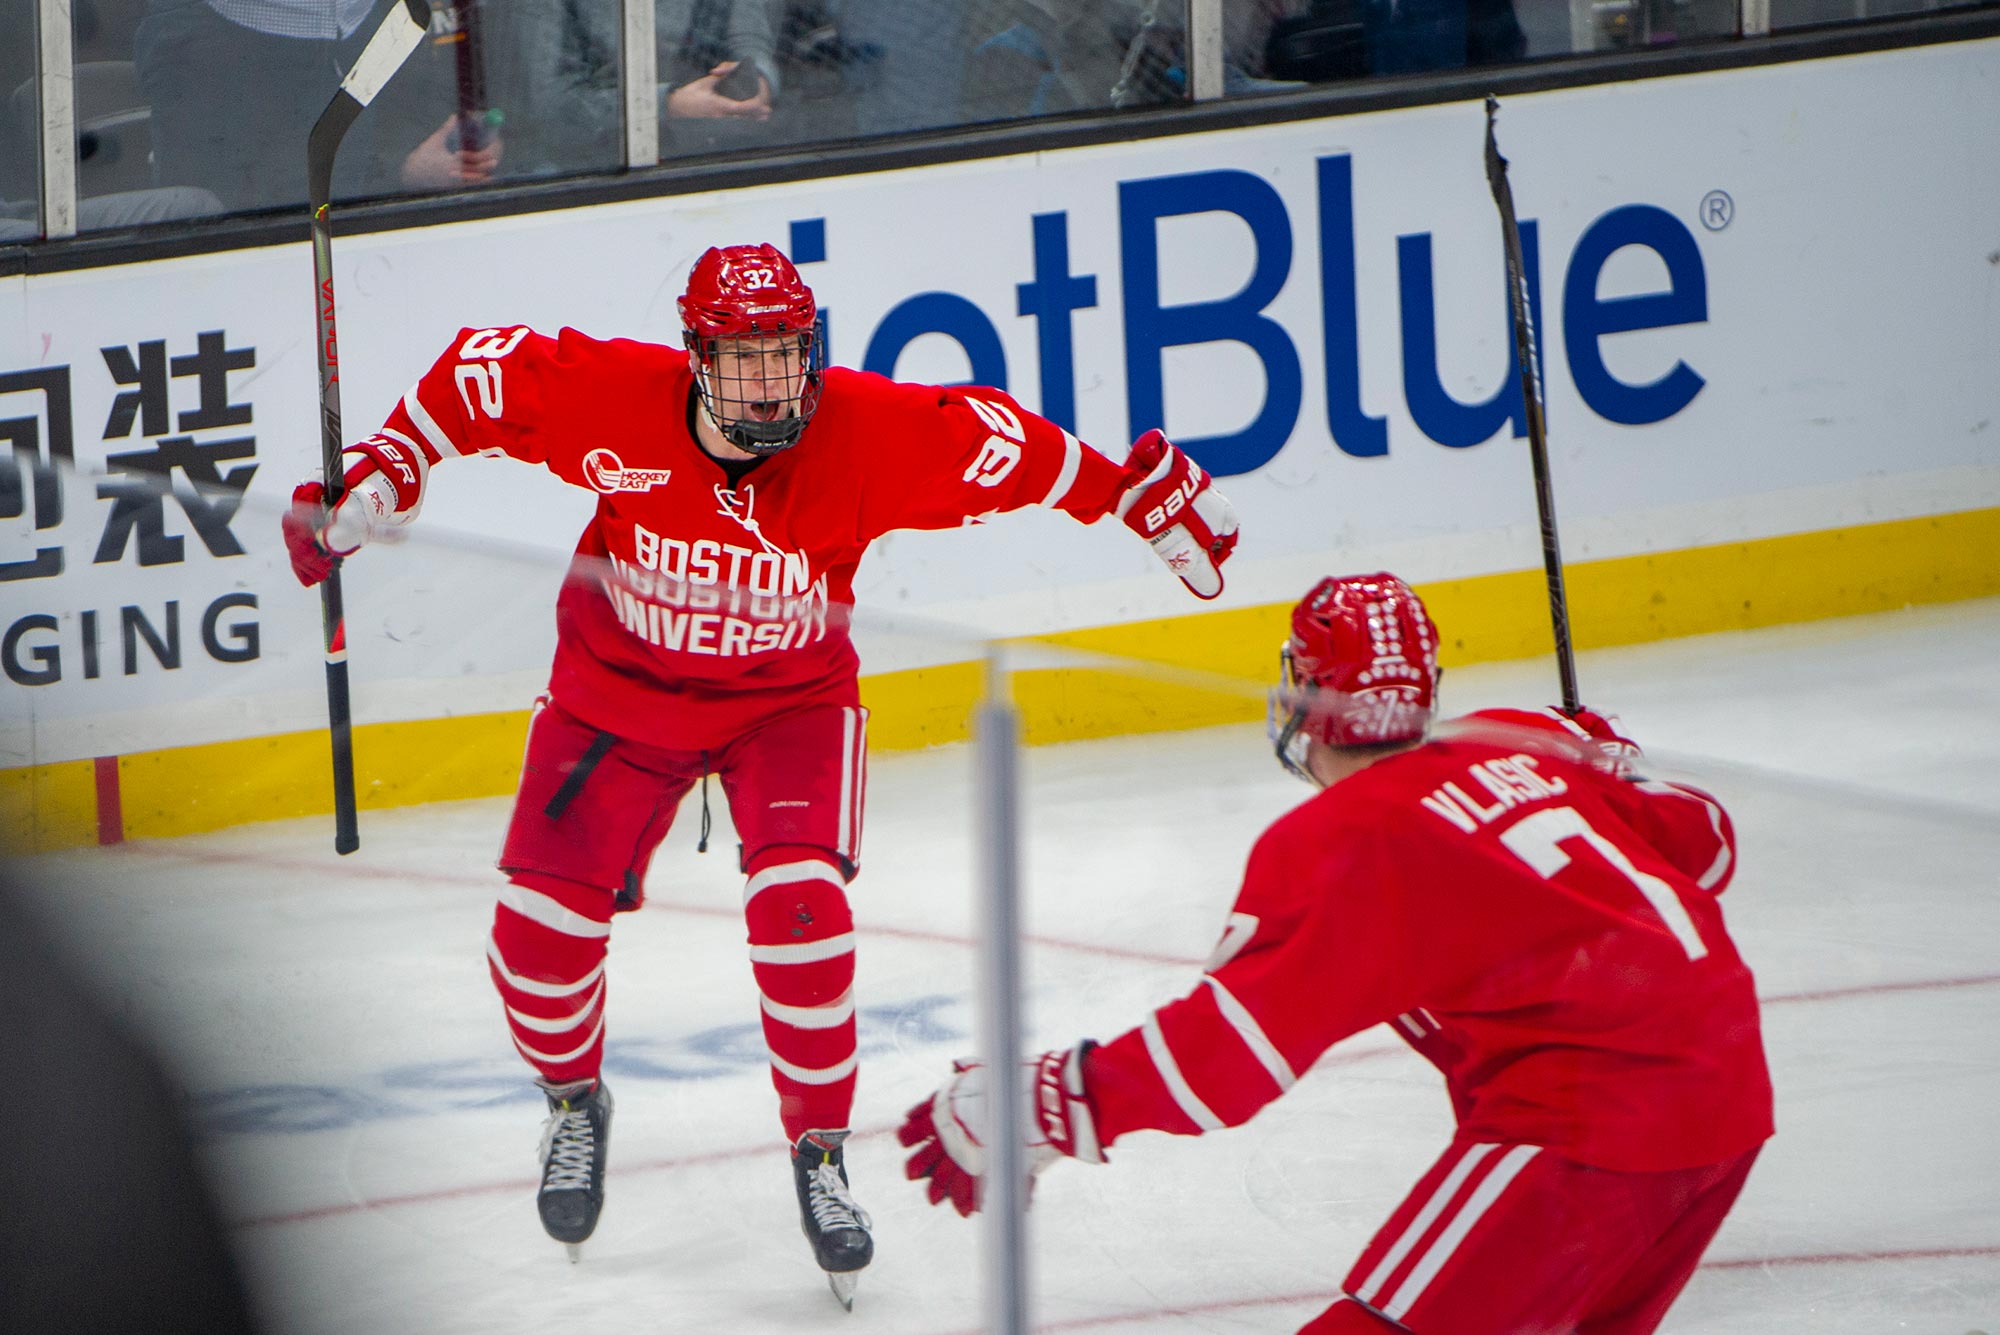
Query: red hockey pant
[[1517, 1240], [591, 809]]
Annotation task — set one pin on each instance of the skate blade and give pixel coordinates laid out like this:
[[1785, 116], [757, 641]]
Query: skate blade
[[575, 1250], [843, 1286]]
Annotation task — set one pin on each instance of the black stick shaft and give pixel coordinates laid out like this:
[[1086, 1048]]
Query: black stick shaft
[[469, 61], [1531, 394], [333, 613], [392, 43]]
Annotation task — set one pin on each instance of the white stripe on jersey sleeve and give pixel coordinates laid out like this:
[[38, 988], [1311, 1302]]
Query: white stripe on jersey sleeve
[[417, 452], [1072, 462], [434, 436], [1720, 867], [1253, 1035], [1570, 724], [1170, 1075]]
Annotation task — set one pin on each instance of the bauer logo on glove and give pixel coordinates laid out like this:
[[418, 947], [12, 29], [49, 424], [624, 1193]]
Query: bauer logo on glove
[[1171, 503]]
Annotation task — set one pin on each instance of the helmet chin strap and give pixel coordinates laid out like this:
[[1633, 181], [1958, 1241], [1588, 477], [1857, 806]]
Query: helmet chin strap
[[764, 437]]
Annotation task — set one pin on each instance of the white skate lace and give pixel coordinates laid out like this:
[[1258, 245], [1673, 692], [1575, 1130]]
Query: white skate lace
[[566, 1151], [832, 1204]]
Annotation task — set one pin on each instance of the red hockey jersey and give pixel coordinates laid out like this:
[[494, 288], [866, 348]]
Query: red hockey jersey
[[695, 609], [1546, 934]]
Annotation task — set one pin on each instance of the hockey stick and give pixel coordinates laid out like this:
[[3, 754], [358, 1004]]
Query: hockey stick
[[392, 43], [1531, 394]]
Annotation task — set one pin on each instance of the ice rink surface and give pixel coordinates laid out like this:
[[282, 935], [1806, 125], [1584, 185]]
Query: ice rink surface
[[373, 1132]]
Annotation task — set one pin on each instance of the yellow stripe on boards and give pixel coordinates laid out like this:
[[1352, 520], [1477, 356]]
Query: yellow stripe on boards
[[1175, 672], [48, 806]]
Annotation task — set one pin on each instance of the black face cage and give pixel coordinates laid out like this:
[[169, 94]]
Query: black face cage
[[747, 433], [1285, 717]]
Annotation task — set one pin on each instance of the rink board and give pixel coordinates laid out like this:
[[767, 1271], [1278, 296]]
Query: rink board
[[1632, 600], [1769, 321]]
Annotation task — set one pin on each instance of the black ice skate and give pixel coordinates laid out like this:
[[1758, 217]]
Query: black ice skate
[[833, 1223], [574, 1142]]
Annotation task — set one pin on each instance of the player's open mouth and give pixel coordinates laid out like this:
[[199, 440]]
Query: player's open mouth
[[765, 410]]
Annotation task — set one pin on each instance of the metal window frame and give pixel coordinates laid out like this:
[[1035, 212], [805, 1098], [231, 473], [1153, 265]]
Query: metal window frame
[[1204, 27], [55, 91], [640, 78]]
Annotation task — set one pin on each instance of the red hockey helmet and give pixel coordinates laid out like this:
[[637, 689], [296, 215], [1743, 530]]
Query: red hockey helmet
[[750, 325], [1360, 668]]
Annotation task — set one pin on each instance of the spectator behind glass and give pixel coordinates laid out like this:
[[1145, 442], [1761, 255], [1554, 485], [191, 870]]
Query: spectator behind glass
[[718, 72], [235, 87], [99, 206], [553, 68], [1045, 57], [237, 84]]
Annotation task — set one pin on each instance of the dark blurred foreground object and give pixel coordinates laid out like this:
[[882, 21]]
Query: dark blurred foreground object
[[108, 1225]]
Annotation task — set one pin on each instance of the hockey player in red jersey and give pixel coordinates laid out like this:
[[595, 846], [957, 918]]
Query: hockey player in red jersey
[[703, 630], [1510, 898]]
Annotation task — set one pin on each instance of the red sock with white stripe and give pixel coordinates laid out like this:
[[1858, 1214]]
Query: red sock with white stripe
[[802, 953], [546, 955]]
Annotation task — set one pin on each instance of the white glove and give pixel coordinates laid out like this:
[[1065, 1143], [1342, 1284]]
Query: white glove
[[943, 1129], [1171, 503]]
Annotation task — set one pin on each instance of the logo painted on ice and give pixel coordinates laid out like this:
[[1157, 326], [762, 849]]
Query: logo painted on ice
[[607, 473]]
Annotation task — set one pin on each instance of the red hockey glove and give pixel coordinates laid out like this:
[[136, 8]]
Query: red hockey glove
[[944, 1129], [1619, 755], [383, 485], [311, 561], [1173, 505]]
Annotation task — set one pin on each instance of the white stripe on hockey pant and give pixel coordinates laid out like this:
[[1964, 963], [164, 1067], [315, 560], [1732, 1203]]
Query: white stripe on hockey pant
[[535, 987], [541, 1024], [860, 786], [550, 913], [805, 952], [556, 1058], [1253, 1035], [853, 778], [1170, 1075], [1720, 866], [1369, 1290], [1410, 1026], [1066, 477], [787, 873], [805, 1075], [441, 444], [1482, 1200], [830, 1016], [847, 723]]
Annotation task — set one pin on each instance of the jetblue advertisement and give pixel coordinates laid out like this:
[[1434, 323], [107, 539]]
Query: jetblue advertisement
[[1767, 301]]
